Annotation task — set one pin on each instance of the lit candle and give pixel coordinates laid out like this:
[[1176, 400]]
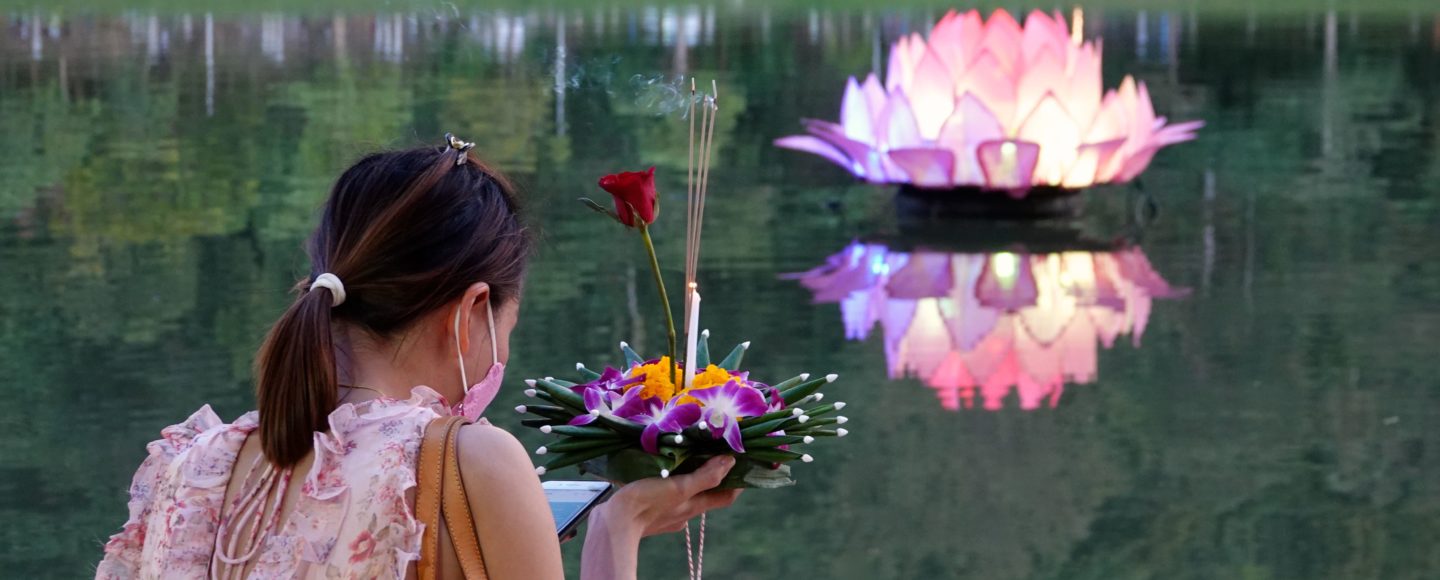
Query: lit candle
[[692, 333]]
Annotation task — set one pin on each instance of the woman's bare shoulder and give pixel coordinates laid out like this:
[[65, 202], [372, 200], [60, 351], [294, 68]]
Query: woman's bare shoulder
[[490, 453]]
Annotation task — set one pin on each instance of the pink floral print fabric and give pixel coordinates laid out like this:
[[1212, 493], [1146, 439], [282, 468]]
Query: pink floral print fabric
[[351, 519]]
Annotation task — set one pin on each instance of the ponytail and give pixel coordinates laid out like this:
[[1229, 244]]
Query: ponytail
[[296, 387], [409, 230]]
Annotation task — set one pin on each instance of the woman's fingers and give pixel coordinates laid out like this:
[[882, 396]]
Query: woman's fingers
[[718, 499], [707, 477]]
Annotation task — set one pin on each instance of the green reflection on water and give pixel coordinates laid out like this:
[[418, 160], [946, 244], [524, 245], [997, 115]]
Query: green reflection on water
[[1273, 425]]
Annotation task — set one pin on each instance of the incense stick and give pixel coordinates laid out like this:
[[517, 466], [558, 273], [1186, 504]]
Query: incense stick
[[690, 203], [698, 182]]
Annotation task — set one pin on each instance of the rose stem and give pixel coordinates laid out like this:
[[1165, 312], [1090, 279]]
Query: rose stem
[[664, 298]]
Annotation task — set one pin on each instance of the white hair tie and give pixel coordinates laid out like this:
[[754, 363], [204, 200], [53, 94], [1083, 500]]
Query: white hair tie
[[331, 282]]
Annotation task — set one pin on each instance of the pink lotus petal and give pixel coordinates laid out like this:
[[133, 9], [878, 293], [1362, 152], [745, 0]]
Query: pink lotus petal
[[925, 167], [931, 94], [1058, 136], [900, 128], [818, 146], [971, 125], [855, 114], [1008, 165], [1089, 161]]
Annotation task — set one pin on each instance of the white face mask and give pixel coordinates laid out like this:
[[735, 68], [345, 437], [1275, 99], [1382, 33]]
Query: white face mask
[[479, 395]]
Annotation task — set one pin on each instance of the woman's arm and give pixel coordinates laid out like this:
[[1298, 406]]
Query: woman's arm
[[517, 531], [645, 508], [512, 516]]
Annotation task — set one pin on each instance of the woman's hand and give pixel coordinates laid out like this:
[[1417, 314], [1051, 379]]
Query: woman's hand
[[662, 506], [646, 508]]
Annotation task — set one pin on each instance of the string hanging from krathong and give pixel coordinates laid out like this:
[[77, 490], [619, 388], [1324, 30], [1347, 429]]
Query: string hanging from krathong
[[697, 181]]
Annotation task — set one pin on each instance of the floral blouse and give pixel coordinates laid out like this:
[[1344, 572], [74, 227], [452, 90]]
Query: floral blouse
[[350, 520]]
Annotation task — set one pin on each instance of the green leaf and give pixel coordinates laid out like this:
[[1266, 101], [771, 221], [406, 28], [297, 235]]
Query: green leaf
[[562, 395], [550, 412], [794, 394], [599, 208], [732, 360], [790, 382], [586, 373], [632, 358], [584, 431]]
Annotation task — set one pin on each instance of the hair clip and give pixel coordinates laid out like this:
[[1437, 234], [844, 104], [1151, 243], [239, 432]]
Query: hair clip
[[460, 145]]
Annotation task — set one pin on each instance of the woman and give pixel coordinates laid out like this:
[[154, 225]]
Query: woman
[[416, 271]]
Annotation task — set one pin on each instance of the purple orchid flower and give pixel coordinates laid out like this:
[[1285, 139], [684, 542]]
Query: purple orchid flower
[[725, 406], [610, 380], [600, 401], [657, 417]]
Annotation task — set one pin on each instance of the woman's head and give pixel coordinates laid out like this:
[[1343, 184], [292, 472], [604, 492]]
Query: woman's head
[[408, 233]]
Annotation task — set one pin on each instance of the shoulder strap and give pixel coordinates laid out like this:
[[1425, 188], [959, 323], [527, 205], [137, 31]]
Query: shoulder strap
[[430, 470], [458, 519]]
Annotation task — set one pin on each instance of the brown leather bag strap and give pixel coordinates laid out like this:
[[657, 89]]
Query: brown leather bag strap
[[430, 468], [458, 519]]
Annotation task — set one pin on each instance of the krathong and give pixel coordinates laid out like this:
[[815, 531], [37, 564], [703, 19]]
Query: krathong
[[985, 325], [992, 105], [665, 415]]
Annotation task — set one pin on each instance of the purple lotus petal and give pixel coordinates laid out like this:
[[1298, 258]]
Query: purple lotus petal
[[631, 405], [610, 380], [584, 419], [732, 435], [650, 439], [672, 417], [733, 399]]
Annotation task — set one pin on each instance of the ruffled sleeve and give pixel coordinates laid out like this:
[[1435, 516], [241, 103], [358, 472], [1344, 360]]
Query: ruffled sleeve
[[152, 481]]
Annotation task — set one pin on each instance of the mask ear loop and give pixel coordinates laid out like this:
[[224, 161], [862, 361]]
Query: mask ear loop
[[460, 356], [494, 346]]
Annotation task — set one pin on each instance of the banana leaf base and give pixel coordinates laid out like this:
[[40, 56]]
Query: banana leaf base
[[633, 464], [1038, 203]]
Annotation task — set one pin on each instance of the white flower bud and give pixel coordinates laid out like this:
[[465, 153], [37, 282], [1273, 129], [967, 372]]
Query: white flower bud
[[664, 473], [839, 405], [542, 450], [806, 458], [842, 432], [841, 420], [808, 439], [830, 378], [546, 429], [530, 393], [540, 470], [520, 408]]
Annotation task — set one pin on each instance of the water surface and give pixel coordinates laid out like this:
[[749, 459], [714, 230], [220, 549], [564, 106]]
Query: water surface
[[1275, 419]]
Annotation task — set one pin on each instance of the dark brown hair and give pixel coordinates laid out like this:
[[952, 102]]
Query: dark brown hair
[[406, 232]]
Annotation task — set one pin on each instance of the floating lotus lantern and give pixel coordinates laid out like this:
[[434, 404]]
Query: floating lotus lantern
[[991, 105], [987, 324]]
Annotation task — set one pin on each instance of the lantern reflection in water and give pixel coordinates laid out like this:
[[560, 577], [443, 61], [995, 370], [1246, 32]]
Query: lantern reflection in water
[[983, 324]]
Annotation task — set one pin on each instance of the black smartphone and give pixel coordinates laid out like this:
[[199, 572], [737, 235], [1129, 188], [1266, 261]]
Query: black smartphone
[[571, 501]]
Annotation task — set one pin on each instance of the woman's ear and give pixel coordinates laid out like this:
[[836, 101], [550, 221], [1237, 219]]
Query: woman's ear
[[471, 301]]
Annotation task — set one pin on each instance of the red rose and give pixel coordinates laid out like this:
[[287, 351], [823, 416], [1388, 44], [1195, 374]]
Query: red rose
[[632, 189]]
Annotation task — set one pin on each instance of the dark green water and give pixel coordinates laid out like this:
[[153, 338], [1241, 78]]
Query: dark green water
[[1277, 422]]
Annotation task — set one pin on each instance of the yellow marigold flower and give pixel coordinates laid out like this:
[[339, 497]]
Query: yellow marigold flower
[[713, 376], [657, 379]]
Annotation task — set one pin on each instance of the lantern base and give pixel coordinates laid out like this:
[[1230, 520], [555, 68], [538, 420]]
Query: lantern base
[[1042, 202]]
